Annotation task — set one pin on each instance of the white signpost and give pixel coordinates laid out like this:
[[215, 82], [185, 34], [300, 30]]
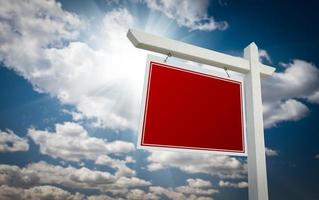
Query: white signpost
[[252, 69]]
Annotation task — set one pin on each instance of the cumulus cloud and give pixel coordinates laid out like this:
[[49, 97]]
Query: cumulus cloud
[[113, 97], [33, 25], [37, 193], [264, 56], [283, 91], [190, 14], [14, 176], [298, 80], [45, 173], [242, 184], [99, 197], [70, 177], [221, 166], [196, 189], [48, 192], [286, 110], [120, 165], [168, 192], [137, 194], [198, 183], [97, 81], [10, 142], [70, 141], [76, 116]]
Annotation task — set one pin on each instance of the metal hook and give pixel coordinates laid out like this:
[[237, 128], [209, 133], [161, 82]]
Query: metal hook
[[225, 68], [168, 55]]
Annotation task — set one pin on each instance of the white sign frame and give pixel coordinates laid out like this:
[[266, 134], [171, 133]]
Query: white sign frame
[[198, 69]]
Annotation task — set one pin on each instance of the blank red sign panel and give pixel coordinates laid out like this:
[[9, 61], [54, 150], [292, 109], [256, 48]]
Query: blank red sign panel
[[191, 110]]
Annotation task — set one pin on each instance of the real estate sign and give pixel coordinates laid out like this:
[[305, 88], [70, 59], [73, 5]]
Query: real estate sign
[[191, 108]]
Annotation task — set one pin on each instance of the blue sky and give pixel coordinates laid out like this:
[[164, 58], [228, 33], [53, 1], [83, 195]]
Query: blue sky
[[71, 86]]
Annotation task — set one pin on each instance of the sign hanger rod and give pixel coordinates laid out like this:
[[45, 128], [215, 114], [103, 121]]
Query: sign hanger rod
[[194, 53]]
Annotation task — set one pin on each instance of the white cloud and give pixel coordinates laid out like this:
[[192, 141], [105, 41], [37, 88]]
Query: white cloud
[[314, 97], [120, 165], [126, 182], [137, 194], [168, 192], [289, 110], [221, 166], [100, 197], [27, 27], [242, 184], [188, 13], [101, 82], [10, 142], [298, 80], [14, 176], [70, 177], [113, 97], [48, 192], [198, 183], [264, 56], [37, 193], [196, 189], [271, 152], [76, 116], [282, 91], [70, 141]]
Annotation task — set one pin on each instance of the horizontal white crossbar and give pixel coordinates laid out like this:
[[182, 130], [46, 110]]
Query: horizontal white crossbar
[[194, 53]]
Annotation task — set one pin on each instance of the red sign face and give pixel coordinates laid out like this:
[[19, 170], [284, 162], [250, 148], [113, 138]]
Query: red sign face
[[188, 109]]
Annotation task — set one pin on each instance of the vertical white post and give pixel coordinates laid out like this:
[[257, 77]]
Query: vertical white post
[[257, 172]]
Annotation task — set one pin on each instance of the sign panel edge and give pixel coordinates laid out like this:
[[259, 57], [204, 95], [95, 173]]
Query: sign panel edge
[[181, 65]]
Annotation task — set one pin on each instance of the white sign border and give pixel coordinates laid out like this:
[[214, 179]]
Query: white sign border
[[199, 69]]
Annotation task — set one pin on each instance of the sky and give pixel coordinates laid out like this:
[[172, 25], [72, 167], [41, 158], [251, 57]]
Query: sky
[[71, 86]]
